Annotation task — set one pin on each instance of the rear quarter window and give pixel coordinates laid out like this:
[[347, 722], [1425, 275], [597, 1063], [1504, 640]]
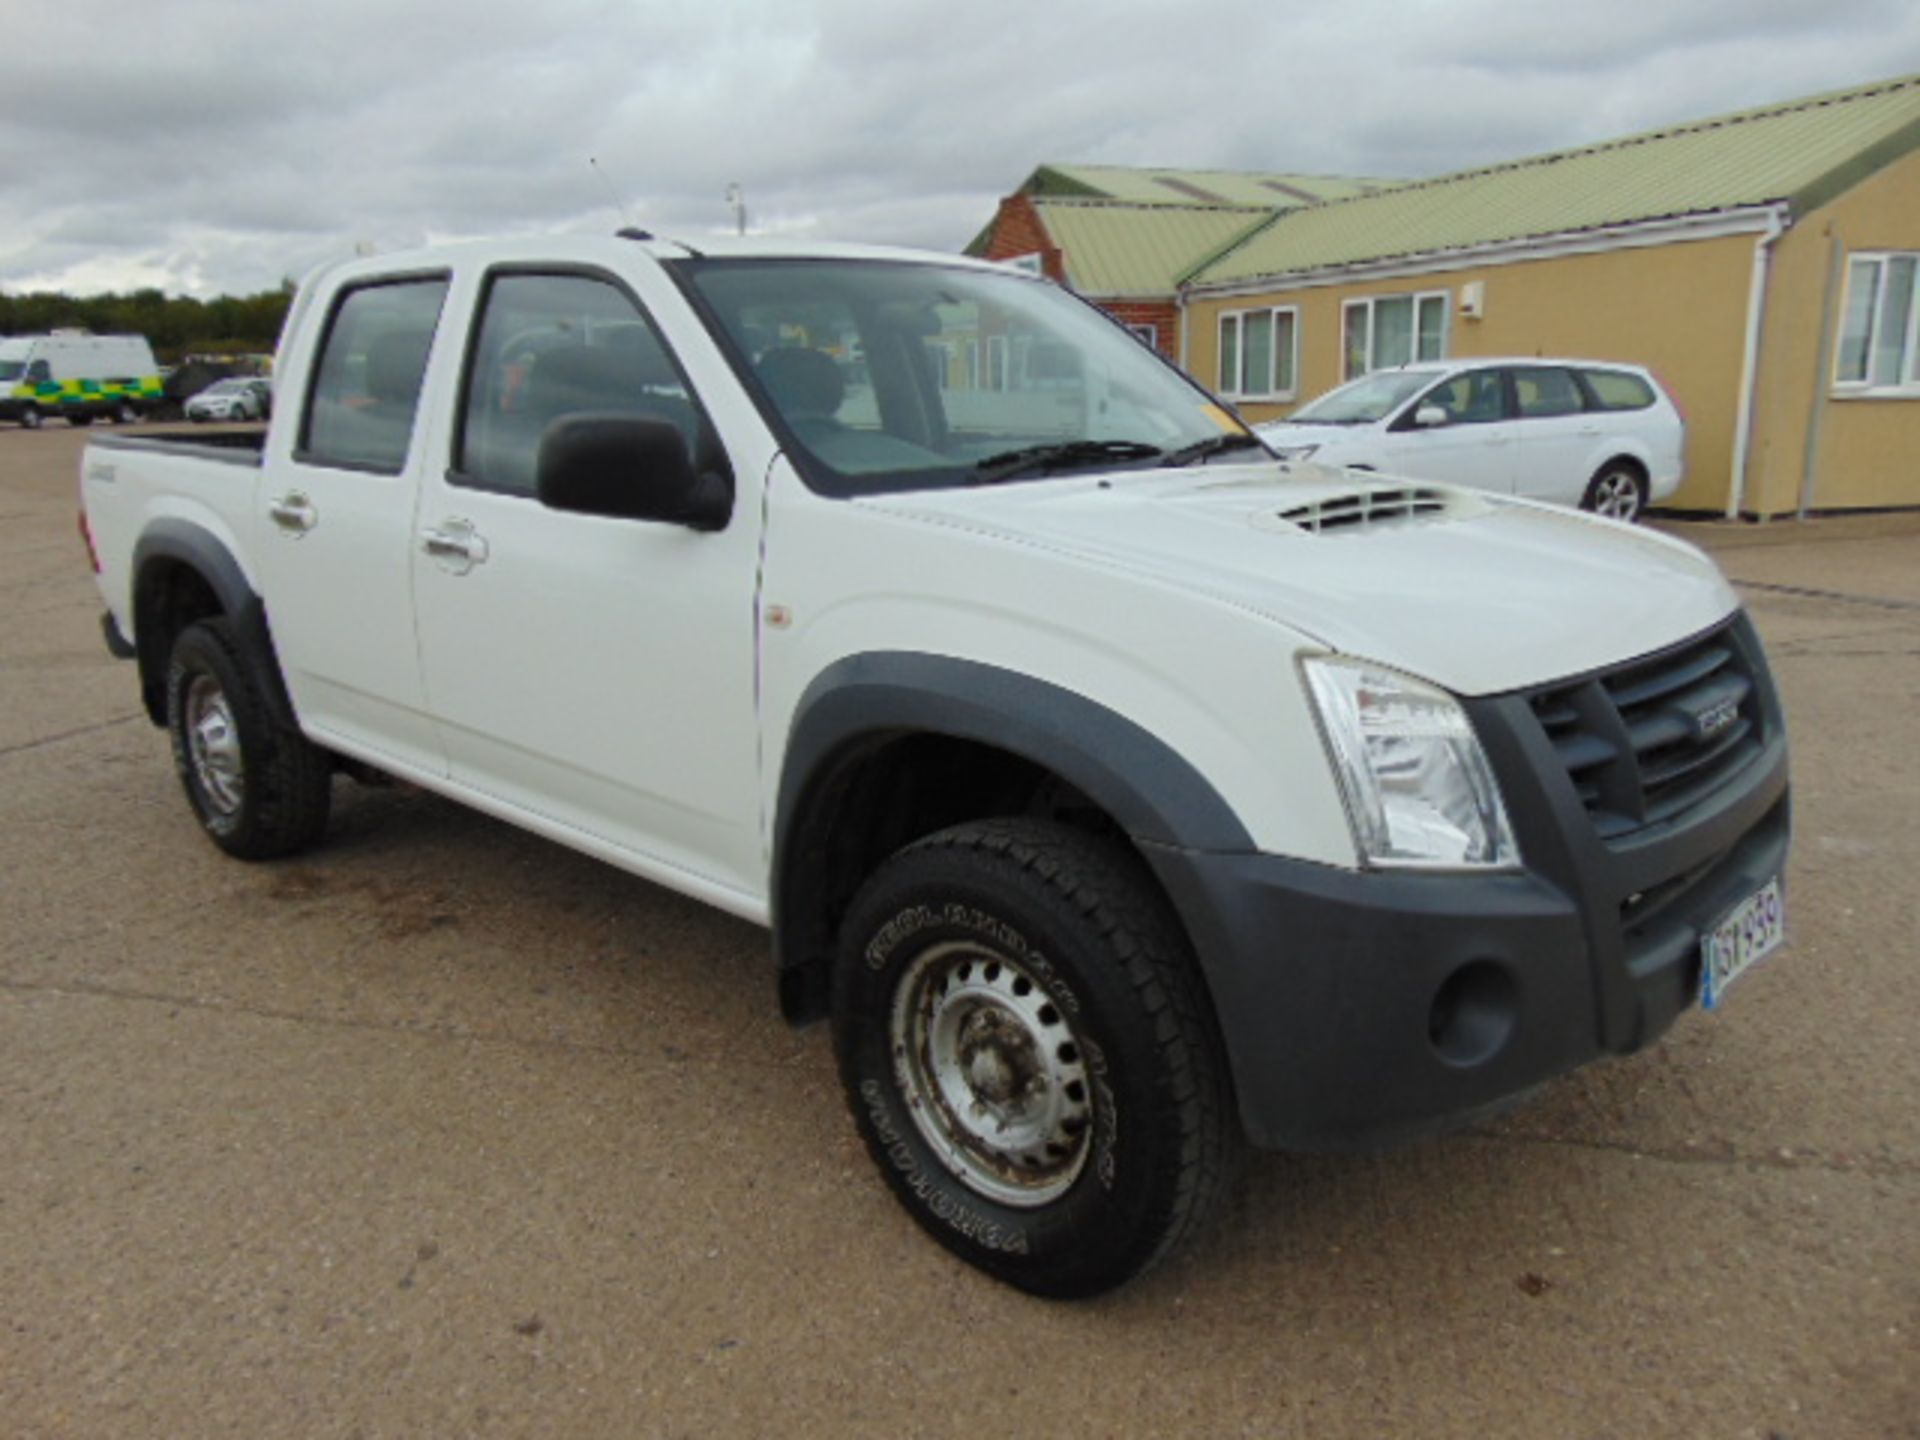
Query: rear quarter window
[[1618, 389]]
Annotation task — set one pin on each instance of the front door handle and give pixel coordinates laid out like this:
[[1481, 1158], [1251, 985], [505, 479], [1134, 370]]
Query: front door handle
[[456, 543], [294, 513]]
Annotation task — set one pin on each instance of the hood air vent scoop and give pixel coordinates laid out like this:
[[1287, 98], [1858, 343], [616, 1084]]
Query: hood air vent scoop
[[1365, 509]]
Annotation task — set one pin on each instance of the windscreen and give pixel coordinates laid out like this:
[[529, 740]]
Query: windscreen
[[1360, 402], [889, 376]]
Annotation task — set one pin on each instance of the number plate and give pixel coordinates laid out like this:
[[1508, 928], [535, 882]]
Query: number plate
[[1752, 929]]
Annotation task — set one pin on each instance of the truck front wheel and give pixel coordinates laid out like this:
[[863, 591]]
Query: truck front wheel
[[1028, 1052], [260, 788]]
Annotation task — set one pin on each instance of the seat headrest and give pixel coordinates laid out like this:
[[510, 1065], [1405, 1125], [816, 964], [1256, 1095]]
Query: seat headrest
[[614, 376], [802, 381]]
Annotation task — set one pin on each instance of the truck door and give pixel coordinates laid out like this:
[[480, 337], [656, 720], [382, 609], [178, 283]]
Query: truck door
[[336, 523], [593, 675]]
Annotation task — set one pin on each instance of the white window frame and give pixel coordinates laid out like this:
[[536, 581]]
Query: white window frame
[[1031, 263], [1147, 335], [1230, 385], [1906, 384], [1370, 361]]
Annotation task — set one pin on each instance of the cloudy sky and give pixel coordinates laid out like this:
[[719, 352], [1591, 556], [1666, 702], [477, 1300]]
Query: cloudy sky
[[206, 146]]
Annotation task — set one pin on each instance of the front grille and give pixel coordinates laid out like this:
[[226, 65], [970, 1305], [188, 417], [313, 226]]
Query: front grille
[[1648, 740]]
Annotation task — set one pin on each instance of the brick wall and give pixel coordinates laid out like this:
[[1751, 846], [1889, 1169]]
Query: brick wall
[[1018, 230], [1160, 314]]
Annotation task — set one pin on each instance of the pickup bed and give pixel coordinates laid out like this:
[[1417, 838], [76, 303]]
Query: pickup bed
[[1120, 793]]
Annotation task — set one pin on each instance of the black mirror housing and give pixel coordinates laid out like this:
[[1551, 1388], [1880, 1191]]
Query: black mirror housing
[[628, 467]]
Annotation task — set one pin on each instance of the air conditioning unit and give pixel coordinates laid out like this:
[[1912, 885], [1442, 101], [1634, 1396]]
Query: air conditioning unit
[[1473, 300]]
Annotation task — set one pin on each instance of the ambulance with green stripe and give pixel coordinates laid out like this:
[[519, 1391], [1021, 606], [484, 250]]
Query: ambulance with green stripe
[[77, 376]]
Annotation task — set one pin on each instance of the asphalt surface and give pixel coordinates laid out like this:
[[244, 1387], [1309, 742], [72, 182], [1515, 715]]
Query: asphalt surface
[[444, 1130]]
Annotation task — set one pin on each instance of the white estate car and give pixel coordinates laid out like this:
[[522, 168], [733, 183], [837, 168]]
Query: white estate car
[[1603, 436], [234, 399]]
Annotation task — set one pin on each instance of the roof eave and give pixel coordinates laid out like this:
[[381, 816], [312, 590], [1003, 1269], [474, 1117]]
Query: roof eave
[[1857, 167], [1735, 220]]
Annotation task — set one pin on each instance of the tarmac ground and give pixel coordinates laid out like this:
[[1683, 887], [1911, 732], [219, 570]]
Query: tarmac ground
[[444, 1130]]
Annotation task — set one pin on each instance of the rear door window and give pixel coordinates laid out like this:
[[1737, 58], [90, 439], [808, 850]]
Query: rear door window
[[1541, 392], [366, 388]]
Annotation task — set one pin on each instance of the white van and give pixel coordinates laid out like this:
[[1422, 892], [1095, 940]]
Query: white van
[[77, 375]]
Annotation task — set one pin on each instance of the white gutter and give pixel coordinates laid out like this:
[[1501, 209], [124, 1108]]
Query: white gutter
[[1750, 359], [1639, 234]]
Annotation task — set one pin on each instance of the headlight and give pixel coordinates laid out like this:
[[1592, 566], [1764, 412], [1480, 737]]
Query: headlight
[[1417, 784], [1294, 452]]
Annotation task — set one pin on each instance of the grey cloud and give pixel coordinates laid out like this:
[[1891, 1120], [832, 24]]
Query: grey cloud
[[225, 145]]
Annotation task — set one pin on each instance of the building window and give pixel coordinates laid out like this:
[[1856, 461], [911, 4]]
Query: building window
[[1880, 326], [1033, 262], [1147, 335], [1259, 352], [1388, 330]]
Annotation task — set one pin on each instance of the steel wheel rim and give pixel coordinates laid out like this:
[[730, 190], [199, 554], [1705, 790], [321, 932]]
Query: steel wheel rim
[[992, 1073], [213, 745], [1617, 495]]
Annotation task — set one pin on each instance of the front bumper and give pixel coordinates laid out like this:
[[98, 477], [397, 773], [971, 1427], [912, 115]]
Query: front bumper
[[1360, 1007]]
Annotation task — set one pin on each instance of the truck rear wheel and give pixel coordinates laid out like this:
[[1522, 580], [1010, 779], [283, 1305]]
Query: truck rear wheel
[[260, 789], [1029, 1054], [30, 417]]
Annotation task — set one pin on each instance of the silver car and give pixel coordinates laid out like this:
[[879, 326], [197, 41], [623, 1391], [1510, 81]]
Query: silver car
[[232, 399], [1604, 436]]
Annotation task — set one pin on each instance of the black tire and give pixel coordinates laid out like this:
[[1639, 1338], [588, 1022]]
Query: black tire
[[79, 419], [1618, 489], [30, 418], [124, 413], [260, 789], [1042, 965]]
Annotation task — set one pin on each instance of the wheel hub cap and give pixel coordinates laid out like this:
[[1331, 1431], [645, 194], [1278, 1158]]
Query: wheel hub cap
[[992, 1073], [213, 745]]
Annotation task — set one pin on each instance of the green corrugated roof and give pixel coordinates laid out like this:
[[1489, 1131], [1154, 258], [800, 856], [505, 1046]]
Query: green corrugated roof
[[1155, 186], [1116, 249], [1801, 153]]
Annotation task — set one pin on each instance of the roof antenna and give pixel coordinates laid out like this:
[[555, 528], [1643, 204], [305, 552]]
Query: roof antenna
[[626, 220]]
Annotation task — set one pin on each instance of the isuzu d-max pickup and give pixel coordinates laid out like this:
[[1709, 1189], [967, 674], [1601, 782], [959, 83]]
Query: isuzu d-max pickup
[[1119, 792]]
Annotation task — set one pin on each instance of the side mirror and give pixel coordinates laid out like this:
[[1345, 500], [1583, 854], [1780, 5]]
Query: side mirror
[[1428, 417], [629, 467]]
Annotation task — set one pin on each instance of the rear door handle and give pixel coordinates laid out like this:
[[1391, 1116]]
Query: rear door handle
[[294, 513]]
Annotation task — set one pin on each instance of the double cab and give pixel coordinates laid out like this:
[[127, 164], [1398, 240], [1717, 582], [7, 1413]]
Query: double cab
[[1120, 793]]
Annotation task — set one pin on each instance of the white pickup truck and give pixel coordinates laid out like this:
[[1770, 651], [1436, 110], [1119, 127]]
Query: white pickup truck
[[1118, 791]]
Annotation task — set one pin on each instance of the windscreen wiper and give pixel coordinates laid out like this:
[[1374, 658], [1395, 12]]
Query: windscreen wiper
[[1061, 455], [1214, 445]]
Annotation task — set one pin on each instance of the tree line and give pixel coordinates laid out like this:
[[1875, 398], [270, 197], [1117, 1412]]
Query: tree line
[[175, 325]]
